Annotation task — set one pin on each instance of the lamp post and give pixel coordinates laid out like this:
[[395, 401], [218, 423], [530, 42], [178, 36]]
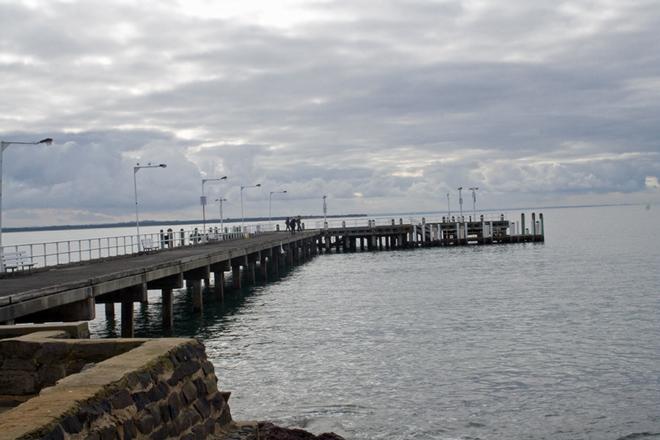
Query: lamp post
[[270, 205], [242, 211], [3, 147], [448, 208], [137, 168], [474, 190], [222, 226], [325, 212], [203, 200], [460, 200]]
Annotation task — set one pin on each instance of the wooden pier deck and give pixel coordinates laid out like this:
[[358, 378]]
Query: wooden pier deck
[[71, 292]]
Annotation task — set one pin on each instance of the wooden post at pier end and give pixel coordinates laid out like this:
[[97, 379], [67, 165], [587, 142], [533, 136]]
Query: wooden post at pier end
[[168, 314], [197, 299], [167, 286], [110, 311], [127, 326]]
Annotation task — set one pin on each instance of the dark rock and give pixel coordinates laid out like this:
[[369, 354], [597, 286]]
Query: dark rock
[[141, 400], [208, 367], [268, 431], [200, 432], [121, 399], [55, 434], [130, 430], [162, 433], [72, 425], [145, 424], [109, 433], [189, 392], [202, 407], [154, 410], [165, 412], [175, 405]]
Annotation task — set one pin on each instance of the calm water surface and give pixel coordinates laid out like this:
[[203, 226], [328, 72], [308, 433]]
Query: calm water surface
[[558, 340]]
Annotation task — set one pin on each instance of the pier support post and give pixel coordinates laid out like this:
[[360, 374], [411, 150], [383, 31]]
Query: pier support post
[[127, 326], [236, 275], [252, 271], [197, 299], [219, 278], [275, 265], [263, 266], [168, 315], [110, 311], [522, 225]]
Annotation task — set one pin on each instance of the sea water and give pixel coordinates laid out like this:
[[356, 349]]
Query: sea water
[[554, 340]]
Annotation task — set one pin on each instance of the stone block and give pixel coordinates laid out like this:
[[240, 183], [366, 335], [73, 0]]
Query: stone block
[[18, 382], [49, 374], [109, 433], [202, 407], [189, 391], [175, 405], [121, 399], [165, 412], [199, 431], [130, 430], [154, 410], [208, 367], [28, 365], [56, 434], [72, 424], [145, 424], [141, 400]]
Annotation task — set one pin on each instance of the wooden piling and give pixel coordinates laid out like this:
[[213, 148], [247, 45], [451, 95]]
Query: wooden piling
[[127, 325], [168, 315]]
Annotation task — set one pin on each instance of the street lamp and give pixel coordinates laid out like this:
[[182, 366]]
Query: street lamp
[[203, 200], [3, 147], [474, 190], [222, 226], [460, 200], [137, 168], [448, 208], [325, 212], [270, 204], [242, 211]]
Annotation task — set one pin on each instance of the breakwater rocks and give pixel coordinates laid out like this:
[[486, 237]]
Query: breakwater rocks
[[268, 431], [134, 389], [53, 387]]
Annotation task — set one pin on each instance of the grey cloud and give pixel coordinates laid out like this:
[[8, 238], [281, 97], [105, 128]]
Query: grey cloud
[[398, 101]]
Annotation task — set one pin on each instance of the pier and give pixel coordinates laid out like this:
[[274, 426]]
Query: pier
[[70, 292]]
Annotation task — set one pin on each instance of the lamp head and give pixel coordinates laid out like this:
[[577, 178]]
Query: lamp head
[[284, 192], [258, 185], [163, 165], [46, 141], [223, 178]]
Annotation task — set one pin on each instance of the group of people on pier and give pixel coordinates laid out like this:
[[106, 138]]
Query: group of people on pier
[[293, 224]]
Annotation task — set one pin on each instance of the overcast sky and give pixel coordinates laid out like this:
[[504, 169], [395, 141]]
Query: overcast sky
[[384, 106]]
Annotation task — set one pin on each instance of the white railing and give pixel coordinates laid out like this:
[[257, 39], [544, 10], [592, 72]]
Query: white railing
[[75, 251], [387, 221]]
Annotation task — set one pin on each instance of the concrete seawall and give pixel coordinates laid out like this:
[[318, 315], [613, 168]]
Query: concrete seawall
[[109, 389]]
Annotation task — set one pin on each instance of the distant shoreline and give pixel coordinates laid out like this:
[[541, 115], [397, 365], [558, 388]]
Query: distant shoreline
[[161, 223], [263, 219]]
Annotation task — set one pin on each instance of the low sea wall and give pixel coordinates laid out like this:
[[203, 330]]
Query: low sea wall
[[108, 389]]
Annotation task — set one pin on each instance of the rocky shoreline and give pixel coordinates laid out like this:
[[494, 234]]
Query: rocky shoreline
[[269, 431]]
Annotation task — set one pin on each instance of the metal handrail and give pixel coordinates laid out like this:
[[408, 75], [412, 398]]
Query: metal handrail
[[55, 253]]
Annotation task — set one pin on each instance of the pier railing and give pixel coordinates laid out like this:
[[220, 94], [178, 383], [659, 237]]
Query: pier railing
[[55, 253]]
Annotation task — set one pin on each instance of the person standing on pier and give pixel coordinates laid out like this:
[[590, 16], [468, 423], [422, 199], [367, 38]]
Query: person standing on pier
[[299, 220], [288, 225]]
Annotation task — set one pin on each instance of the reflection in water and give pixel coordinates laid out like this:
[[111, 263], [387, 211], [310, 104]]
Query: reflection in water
[[557, 340]]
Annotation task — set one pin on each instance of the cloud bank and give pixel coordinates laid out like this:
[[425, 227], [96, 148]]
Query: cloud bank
[[383, 106]]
